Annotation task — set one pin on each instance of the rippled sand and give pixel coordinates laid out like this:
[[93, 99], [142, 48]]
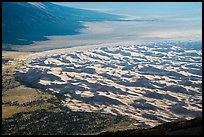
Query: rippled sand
[[152, 83]]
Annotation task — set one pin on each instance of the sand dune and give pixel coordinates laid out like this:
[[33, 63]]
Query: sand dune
[[152, 83]]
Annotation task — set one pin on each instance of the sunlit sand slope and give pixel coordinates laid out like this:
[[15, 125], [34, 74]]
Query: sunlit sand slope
[[152, 83]]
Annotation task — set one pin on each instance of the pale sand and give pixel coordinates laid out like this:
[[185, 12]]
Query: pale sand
[[121, 102]]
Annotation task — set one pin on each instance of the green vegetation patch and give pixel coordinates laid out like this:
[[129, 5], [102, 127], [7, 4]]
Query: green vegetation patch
[[44, 122]]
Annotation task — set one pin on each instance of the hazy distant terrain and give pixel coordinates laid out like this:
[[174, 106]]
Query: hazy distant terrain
[[34, 21], [46, 26], [153, 83], [120, 31]]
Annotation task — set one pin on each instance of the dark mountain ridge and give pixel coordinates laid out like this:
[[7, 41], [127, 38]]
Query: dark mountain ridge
[[25, 22]]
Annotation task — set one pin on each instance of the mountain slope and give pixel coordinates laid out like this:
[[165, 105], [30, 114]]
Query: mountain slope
[[25, 22], [186, 127]]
